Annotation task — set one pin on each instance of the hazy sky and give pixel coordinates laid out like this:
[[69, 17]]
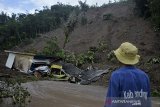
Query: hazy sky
[[29, 6]]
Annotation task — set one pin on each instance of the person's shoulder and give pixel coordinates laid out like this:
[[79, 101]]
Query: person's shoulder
[[141, 72], [116, 72]]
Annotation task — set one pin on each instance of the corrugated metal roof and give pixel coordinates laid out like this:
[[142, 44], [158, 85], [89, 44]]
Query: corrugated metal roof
[[21, 53]]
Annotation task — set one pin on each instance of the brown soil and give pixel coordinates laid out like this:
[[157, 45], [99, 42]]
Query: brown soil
[[3, 69], [62, 94], [123, 26]]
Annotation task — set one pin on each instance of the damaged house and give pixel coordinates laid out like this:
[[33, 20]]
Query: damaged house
[[19, 60], [43, 65], [27, 61]]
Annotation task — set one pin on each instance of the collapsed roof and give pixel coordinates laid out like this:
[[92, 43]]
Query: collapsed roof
[[25, 62], [85, 76]]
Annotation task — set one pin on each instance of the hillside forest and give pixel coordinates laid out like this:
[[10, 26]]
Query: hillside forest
[[17, 28]]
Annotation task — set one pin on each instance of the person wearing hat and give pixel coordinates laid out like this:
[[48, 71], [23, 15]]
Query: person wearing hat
[[128, 86]]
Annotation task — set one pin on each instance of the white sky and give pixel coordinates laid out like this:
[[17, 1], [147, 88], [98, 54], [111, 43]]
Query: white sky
[[24, 6]]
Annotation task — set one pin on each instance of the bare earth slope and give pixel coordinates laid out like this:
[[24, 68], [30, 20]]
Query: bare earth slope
[[123, 26]]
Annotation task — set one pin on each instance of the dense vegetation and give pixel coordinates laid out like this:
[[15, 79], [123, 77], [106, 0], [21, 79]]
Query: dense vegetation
[[12, 91], [52, 49], [22, 27], [149, 9], [17, 28]]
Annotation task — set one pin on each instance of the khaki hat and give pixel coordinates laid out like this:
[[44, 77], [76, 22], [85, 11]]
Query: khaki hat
[[127, 53]]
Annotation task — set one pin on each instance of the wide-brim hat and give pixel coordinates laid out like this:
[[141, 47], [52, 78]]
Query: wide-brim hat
[[127, 53]]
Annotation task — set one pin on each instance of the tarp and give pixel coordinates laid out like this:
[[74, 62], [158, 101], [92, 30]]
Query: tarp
[[89, 76], [84, 76], [71, 69]]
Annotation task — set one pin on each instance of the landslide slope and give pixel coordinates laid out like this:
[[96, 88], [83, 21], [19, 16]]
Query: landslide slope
[[123, 25]]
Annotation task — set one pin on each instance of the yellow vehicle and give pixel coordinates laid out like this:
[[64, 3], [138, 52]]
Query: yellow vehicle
[[54, 71], [58, 73]]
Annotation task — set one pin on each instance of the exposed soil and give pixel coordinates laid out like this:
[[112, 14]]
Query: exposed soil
[[124, 26], [5, 70], [64, 94]]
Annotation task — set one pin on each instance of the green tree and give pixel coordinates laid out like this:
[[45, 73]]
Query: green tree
[[155, 12], [142, 7], [69, 27], [20, 27], [83, 6]]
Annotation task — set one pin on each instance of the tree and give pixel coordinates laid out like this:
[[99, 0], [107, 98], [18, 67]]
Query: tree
[[69, 27], [83, 6], [143, 8], [17, 28], [155, 12], [3, 18]]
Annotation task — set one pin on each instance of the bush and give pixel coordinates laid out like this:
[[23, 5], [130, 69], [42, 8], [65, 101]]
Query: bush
[[70, 57], [60, 54], [142, 8], [149, 8], [90, 56], [155, 13], [102, 46], [52, 47], [111, 56], [80, 59], [83, 20], [107, 16], [83, 6], [155, 93], [155, 60], [84, 58], [11, 88]]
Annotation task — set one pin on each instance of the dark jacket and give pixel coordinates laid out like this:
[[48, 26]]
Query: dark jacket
[[128, 87]]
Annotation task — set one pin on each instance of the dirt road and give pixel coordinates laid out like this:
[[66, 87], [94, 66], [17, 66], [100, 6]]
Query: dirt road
[[64, 94]]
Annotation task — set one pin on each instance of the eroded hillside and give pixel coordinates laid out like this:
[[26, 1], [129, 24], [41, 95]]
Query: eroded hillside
[[123, 25]]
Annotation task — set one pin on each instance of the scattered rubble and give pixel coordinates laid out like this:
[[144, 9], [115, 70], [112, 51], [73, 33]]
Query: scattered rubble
[[42, 66]]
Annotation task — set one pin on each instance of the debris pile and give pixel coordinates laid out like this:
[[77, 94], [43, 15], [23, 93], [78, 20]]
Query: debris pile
[[42, 66]]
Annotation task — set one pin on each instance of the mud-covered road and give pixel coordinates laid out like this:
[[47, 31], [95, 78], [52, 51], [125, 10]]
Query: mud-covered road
[[64, 94]]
